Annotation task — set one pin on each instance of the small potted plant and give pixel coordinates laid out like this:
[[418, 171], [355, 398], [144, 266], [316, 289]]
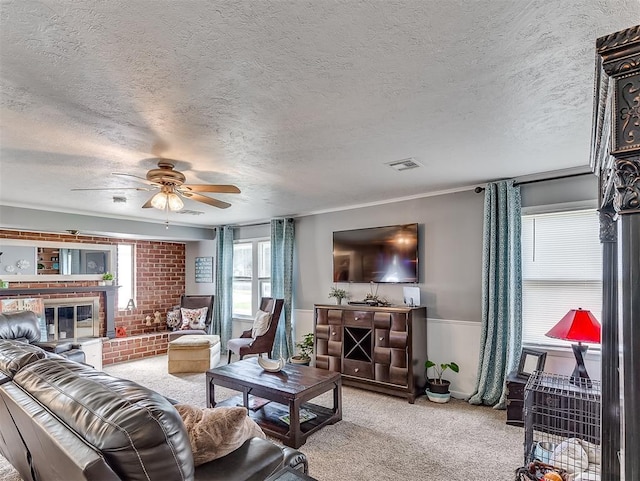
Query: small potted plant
[[306, 349], [107, 277], [338, 293], [438, 388]]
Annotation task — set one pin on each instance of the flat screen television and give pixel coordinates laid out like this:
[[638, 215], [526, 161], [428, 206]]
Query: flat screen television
[[378, 254]]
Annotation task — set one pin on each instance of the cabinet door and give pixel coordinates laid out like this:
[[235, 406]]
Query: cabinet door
[[390, 352], [328, 339]]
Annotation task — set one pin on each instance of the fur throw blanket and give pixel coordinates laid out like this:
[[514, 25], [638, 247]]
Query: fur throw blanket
[[215, 432]]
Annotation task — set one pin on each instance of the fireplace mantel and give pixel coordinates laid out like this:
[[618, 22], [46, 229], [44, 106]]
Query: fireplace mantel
[[109, 301]]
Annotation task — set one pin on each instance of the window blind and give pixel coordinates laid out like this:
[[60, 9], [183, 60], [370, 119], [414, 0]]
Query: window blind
[[561, 270]]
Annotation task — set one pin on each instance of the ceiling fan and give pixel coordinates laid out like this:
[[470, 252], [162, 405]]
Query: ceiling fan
[[171, 187]]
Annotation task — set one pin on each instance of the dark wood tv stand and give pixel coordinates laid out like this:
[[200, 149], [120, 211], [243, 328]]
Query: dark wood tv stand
[[382, 349]]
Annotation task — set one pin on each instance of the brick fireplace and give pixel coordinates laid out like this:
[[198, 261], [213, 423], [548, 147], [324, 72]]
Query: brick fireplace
[[160, 281]]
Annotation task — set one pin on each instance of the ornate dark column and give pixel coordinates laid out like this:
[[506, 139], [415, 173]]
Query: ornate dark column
[[619, 54], [627, 203], [610, 410]]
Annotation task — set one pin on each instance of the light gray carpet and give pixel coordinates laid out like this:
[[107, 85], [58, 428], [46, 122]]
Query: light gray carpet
[[380, 437]]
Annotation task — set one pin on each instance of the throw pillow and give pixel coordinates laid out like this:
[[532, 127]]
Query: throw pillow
[[215, 432], [173, 319], [193, 318], [260, 323]]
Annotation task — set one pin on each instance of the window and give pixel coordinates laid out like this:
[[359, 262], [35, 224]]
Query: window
[[251, 275], [561, 270], [125, 274]]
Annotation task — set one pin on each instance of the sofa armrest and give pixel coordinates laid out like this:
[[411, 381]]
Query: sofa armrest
[[56, 347], [255, 460], [246, 333], [295, 459]]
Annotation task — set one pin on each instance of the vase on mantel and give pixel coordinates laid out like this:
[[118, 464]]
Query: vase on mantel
[[339, 300]]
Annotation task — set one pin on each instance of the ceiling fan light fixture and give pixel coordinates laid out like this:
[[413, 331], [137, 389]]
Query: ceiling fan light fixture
[[159, 201], [167, 200], [175, 202], [170, 189]]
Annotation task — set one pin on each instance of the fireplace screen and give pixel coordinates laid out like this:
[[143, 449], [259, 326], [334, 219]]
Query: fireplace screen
[[72, 318]]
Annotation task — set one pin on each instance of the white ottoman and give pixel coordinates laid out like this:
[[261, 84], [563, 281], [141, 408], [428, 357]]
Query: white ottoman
[[193, 353]]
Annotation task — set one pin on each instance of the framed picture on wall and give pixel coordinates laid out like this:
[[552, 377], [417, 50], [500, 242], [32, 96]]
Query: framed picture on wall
[[96, 262], [204, 269], [531, 360]]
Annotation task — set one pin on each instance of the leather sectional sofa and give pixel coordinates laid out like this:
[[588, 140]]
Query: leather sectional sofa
[[64, 420], [23, 326]]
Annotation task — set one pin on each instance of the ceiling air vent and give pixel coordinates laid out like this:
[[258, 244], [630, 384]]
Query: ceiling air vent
[[117, 199], [404, 164], [189, 212]]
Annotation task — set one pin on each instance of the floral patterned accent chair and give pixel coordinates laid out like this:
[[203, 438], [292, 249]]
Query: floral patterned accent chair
[[190, 322]]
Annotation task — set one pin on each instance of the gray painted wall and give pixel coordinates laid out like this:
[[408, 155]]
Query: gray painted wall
[[450, 233], [193, 250], [450, 245], [575, 189]]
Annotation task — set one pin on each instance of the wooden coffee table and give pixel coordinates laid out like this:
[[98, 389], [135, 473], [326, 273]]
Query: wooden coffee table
[[288, 392]]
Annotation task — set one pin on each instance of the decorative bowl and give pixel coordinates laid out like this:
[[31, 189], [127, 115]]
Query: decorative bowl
[[271, 365]]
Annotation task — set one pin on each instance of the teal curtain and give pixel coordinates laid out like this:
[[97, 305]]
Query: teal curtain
[[282, 241], [223, 307], [501, 338]]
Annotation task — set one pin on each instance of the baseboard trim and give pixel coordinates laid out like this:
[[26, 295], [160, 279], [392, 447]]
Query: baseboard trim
[[460, 395]]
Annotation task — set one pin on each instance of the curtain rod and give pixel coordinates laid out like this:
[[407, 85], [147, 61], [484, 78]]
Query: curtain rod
[[477, 190], [251, 225]]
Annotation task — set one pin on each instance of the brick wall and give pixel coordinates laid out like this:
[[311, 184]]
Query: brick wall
[[160, 281], [129, 348]]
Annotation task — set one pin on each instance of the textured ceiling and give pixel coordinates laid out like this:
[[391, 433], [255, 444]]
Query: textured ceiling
[[298, 103]]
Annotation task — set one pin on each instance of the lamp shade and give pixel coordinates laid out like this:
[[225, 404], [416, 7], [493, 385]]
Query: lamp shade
[[577, 325]]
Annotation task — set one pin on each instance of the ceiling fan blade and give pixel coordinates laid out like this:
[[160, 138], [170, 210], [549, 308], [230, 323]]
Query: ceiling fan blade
[[219, 188], [136, 177], [118, 188], [207, 200], [147, 204]]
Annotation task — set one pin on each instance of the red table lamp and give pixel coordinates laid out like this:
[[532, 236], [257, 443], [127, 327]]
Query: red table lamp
[[581, 326]]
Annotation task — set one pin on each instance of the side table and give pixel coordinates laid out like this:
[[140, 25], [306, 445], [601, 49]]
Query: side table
[[515, 399]]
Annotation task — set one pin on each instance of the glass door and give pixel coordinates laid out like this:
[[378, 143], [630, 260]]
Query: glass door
[[72, 320], [66, 328]]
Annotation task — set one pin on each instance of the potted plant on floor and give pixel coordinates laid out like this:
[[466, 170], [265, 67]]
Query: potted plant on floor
[[306, 349], [438, 388]]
